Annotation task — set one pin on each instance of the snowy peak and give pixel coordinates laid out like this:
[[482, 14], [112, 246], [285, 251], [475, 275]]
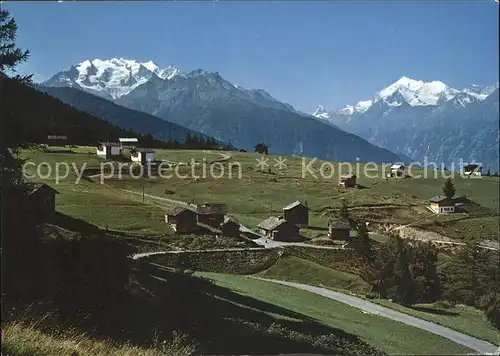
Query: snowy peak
[[115, 78], [112, 78], [417, 92], [414, 93], [479, 92]]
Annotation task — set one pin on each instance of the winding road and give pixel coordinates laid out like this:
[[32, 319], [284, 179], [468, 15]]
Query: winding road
[[480, 346]]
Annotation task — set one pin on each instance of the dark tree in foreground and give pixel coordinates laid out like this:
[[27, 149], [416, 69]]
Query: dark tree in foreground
[[365, 244], [472, 277], [406, 273], [449, 189], [261, 148], [10, 55], [18, 228]]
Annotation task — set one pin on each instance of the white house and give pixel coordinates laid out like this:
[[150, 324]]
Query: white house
[[397, 170], [442, 205], [142, 155], [108, 149], [128, 142], [472, 170]]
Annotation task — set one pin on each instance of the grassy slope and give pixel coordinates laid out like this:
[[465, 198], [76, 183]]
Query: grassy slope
[[389, 336], [393, 201], [290, 268], [461, 318], [25, 339], [106, 205]]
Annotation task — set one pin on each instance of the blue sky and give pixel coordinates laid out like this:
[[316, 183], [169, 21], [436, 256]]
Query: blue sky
[[303, 53]]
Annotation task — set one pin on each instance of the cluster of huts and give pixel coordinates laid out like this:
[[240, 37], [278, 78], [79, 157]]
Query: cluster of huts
[[280, 228], [110, 150], [185, 220], [296, 216]]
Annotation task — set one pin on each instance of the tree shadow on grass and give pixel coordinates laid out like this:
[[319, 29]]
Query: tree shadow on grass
[[87, 229], [74, 224], [435, 311], [222, 321]]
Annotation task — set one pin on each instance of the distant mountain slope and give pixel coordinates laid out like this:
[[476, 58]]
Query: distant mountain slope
[[428, 121], [29, 115], [205, 102], [134, 120]]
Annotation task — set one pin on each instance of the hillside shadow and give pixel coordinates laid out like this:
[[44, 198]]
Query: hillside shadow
[[223, 321], [74, 224], [435, 311], [85, 228]]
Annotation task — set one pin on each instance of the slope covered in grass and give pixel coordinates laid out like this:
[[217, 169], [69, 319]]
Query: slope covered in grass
[[386, 335], [290, 268], [465, 319], [19, 339]]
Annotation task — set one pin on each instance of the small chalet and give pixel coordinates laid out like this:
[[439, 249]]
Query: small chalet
[[297, 213], [108, 149], [229, 227], [142, 155], [42, 199], [182, 220], [348, 181], [441, 205], [126, 142], [279, 229], [339, 229], [211, 214], [397, 171], [472, 170]]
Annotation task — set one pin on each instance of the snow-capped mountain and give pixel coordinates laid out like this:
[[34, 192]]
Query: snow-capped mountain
[[427, 120], [412, 92], [117, 77], [111, 78], [206, 102]]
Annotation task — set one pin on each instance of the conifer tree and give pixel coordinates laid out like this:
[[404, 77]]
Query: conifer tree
[[449, 189], [10, 55]]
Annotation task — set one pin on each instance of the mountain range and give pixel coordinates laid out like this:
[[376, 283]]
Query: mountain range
[[204, 101], [427, 121], [409, 120]]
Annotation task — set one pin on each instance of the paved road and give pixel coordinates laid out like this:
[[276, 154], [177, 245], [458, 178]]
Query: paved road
[[476, 344]]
